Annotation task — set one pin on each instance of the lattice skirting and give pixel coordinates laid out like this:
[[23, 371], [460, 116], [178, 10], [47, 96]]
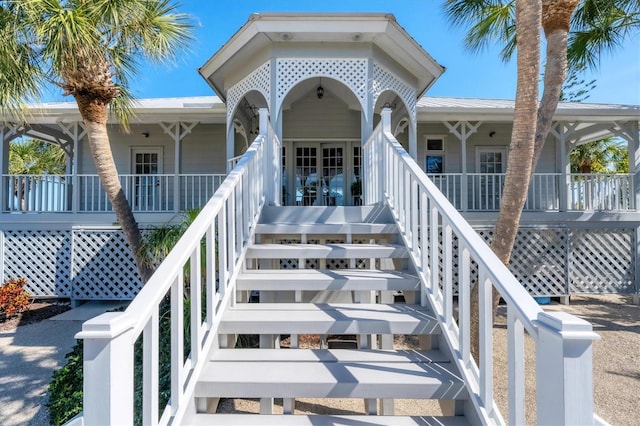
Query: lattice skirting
[[97, 264], [79, 264], [560, 261]]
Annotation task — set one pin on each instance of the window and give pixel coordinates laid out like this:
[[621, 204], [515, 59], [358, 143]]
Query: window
[[491, 159], [434, 161]]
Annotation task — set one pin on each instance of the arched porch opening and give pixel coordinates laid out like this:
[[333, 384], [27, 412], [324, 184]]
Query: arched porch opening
[[243, 125], [403, 122], [322, 123]]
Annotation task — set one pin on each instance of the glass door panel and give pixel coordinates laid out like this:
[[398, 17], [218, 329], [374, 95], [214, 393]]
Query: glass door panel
[[306, 179], [333, 190]]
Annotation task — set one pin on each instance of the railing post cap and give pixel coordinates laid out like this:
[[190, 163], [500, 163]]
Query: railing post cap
[[106, 326], [567, 325]]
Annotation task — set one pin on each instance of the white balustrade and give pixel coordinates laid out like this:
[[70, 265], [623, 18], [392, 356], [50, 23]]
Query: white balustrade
[[36, 193], [590, 191], [390, 176], [154, 193], [196, 189], [218, 238]]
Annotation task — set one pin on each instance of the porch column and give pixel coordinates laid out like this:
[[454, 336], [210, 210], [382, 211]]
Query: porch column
[[366, 128], [76, 132], [75, 185], [231, 144], [462, 130], [560, 132], [631, 133], [4, 155], [177, 131], [413, 140]]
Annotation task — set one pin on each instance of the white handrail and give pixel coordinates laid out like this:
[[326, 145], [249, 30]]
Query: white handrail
[[427, 220], [220, 234]]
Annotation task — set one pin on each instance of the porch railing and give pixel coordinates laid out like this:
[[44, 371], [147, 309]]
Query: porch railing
[[429, 223], [146, 193], [601, 192], [208, 257], [611, 192]]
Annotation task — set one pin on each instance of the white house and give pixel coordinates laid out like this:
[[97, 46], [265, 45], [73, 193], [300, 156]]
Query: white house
[[325, 99], [310, 108]]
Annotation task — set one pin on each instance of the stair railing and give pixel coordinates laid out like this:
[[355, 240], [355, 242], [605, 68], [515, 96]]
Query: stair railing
[[431, 228], [217, 240]]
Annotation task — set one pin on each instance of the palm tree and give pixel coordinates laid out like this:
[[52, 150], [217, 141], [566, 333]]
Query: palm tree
[[602, 156], [35, 157], [90, 49], [596, 26]]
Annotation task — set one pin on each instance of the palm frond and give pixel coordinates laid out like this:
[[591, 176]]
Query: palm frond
[[487, 21]]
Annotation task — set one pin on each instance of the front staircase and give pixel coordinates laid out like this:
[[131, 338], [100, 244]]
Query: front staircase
[[340, 273], [406, 263]]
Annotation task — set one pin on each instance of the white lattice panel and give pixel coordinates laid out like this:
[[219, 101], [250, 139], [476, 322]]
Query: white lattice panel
[[259, 80], [42, 257], [538, 259], [288, 263], [103, 267], [351, 72], [385, 80], [602, 260]]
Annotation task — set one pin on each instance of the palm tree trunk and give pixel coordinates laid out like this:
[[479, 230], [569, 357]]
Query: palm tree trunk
[[94, 113], [556, 18], [521, 149]]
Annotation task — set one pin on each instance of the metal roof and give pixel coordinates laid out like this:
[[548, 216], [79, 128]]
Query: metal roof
[[430, 109]]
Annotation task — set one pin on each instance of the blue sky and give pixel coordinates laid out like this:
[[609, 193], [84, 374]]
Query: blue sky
[[468, 74]]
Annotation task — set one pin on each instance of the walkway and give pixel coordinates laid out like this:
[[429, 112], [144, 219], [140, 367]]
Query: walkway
[[28, 357]]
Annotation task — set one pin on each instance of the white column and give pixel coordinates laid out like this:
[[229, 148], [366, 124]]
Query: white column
[[563, 165], [177, 132], [634, 160], [413, 140], [75, 196], [3, 156], [633, 148], [462, 130], [231, 143], [564, 363]]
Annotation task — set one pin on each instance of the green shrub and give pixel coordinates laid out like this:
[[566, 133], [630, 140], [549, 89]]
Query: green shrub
[[65, 391]]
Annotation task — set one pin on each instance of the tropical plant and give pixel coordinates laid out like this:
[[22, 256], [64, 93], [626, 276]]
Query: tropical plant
[[35, 157], [608, 155], [158, 241], [13, 297], [90, 49]]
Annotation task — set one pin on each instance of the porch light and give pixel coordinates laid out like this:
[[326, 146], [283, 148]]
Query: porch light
[[320, 90]]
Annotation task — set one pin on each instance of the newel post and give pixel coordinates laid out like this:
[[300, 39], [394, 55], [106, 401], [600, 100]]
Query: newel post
[[108, 370], [564, 359]]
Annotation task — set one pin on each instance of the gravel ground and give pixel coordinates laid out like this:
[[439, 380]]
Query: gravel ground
[[616, 370]]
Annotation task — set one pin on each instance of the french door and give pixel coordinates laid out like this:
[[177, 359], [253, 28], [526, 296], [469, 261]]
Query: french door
[[322, 173]]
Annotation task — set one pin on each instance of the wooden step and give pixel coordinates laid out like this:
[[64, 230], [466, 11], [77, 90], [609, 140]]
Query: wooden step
[[325, 279], [326, 228], [325, 251], [308, 318], [276, 375], [329, 355], [321, 420]]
